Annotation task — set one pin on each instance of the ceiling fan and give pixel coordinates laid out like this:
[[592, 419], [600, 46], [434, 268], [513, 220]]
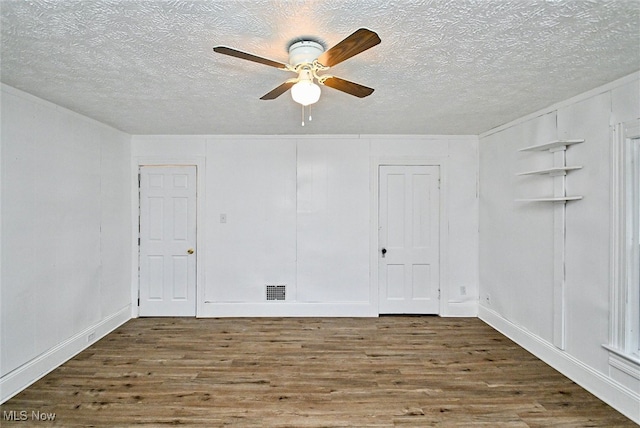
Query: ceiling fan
[[307, 58]]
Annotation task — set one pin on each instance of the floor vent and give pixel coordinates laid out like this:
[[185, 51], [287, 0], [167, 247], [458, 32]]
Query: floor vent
[[276, 292]]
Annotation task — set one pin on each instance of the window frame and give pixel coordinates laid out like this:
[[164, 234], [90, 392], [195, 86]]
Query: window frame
[[624, 337]]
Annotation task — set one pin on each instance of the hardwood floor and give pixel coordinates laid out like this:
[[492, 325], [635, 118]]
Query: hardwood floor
[[308, 372]]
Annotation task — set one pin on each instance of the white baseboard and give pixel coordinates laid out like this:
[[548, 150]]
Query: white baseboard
[[461, 309], [605, 388], [20, 378], [298, 309], [287, 309]]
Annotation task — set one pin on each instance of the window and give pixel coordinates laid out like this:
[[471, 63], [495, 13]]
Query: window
[[633, 246], [625, 255]]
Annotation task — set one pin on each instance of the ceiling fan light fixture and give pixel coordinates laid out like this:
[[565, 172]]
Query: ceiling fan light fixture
[[305, 92], [307, 56]]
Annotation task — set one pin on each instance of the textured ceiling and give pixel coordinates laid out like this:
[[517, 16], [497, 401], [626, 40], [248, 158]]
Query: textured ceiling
[[443, 67]]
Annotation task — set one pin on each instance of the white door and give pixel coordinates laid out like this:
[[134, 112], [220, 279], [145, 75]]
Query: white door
[[167, 241], [408, 256]]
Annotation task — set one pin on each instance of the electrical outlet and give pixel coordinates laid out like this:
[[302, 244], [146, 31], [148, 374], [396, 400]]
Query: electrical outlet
[[463, 290]]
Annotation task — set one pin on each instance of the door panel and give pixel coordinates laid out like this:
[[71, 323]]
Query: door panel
[[409, 207], [395, 282], [167, 234], [395, 210], [421, 277]]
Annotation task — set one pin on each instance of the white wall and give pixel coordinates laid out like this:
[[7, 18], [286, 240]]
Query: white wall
[[517, 239], [299, 212], [333, 221], [65, 236]]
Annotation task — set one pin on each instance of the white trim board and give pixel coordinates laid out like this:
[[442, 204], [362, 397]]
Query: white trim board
[[619, 309], [455, 309], [288, 309], [217, 137], [611, 392], [17, 380], [586, 95]]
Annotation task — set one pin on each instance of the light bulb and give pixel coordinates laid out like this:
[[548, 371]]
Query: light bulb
[[305, 92]]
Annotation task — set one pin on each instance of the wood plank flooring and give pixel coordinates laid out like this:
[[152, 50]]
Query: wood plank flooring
[[309, 372]]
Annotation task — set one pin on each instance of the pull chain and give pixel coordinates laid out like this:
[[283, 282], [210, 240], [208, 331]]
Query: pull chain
[[310, 118]]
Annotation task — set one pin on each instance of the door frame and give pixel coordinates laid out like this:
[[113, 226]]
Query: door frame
[[137, 162], [376, 163]]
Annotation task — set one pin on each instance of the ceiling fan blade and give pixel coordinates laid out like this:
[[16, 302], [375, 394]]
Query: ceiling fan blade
[[350, 88], [249, 57], [279, 90], [358, 42]]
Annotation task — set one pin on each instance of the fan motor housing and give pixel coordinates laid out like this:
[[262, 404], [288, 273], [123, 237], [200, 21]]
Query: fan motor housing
[[304, 52]]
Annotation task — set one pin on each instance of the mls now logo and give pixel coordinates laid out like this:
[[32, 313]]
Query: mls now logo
[[14, 415], [23, 415]]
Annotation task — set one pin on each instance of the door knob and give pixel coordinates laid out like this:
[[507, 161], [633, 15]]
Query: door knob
[[384, 251], [190, 251]]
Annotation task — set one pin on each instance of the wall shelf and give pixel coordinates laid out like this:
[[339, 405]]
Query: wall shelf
[[558, 149], [560, 199], [560, 169], [557, 144], [552, 171]]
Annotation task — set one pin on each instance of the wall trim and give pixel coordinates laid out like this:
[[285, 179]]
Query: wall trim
[[620, 313], [17, 380], [625, 363], [461, 309], [621, 398], [288, 309], [422, 137], [217, 137], [578, 98]]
